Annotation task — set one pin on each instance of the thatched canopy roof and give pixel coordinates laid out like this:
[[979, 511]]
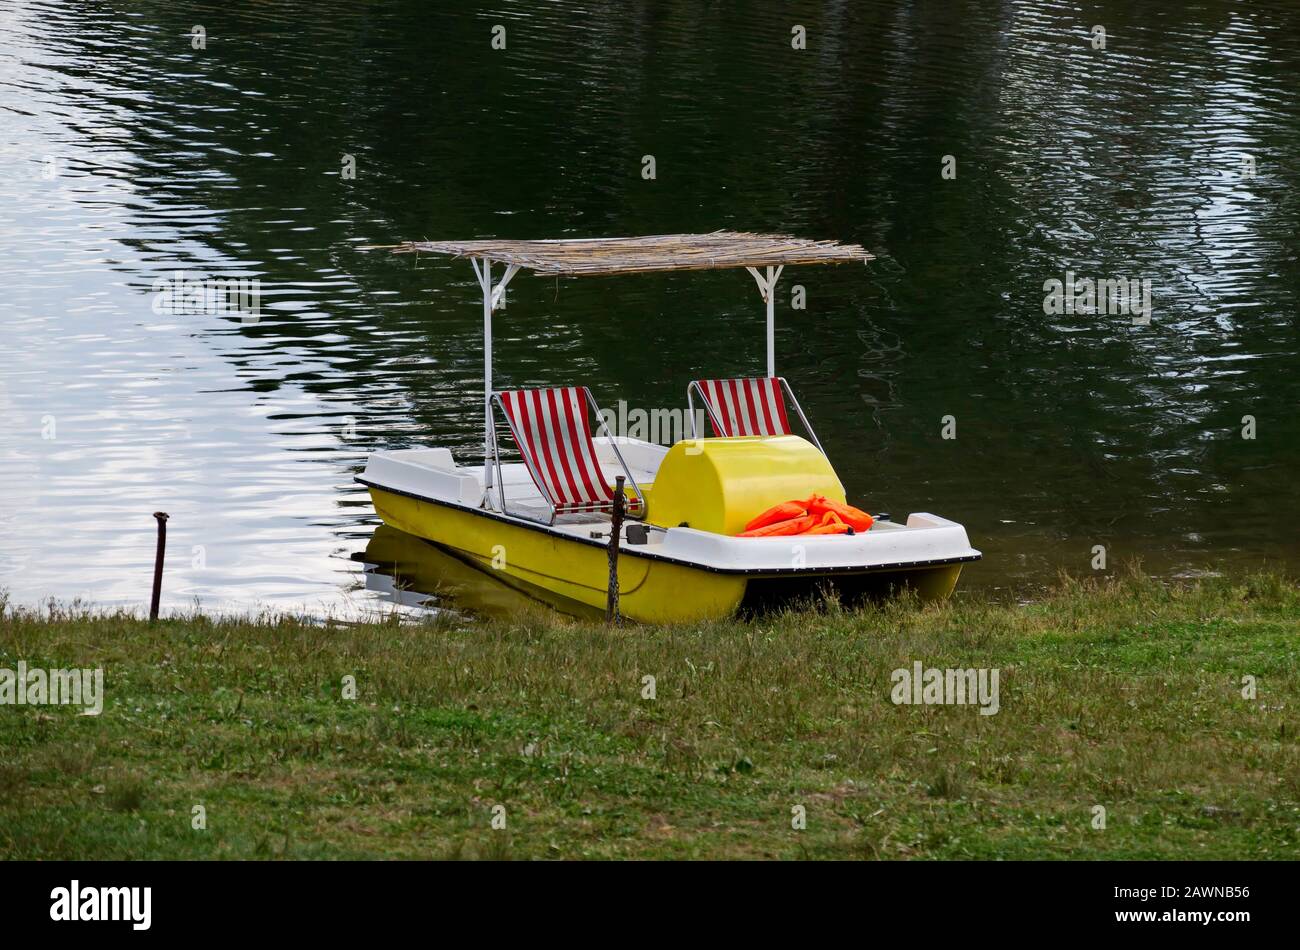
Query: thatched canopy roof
[[634, 255]]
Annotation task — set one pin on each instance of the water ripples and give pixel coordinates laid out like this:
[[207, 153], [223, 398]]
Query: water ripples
[[130, 156]]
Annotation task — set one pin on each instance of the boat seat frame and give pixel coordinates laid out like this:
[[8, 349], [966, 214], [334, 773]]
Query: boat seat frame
[[695, 387], [495, 462]]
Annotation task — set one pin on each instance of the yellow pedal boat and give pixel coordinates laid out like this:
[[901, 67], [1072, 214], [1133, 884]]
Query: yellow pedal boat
[[544, 523]]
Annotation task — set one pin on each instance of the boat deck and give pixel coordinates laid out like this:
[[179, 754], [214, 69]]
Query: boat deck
[[431, 475]]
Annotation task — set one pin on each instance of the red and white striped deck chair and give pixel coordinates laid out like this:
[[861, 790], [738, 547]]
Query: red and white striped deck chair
[[747, 407], [553, 432]]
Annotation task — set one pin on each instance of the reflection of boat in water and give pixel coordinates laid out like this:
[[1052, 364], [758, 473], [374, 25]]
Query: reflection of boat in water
[[413, 572], [545, 523]]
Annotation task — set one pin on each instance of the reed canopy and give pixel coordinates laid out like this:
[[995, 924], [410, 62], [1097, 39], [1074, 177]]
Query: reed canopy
[[763, 255], [583, 257]]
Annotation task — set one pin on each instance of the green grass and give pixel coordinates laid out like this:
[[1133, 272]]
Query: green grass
[[1125, 693]]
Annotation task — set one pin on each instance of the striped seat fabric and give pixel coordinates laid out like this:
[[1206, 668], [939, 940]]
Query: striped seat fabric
[[745, 406], [553, 433]]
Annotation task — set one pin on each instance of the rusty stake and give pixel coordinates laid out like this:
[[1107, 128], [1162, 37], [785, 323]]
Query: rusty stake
[[615, 529], [161, 516]]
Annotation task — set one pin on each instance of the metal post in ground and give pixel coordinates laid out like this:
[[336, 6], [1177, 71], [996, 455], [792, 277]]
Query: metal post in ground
[[615, 530], [161, 517]]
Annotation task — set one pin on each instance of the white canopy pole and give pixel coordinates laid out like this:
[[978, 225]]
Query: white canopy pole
[[492, 298], [767, 287], [484, 273]]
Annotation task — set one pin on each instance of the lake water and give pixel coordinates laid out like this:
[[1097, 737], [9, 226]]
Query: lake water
[[1172, 155]]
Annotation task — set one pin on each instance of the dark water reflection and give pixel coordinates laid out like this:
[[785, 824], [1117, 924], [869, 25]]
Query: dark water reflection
[[1073, 430]]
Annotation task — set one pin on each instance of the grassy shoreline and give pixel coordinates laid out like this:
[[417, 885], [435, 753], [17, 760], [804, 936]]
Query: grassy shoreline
[[1124, 693]]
